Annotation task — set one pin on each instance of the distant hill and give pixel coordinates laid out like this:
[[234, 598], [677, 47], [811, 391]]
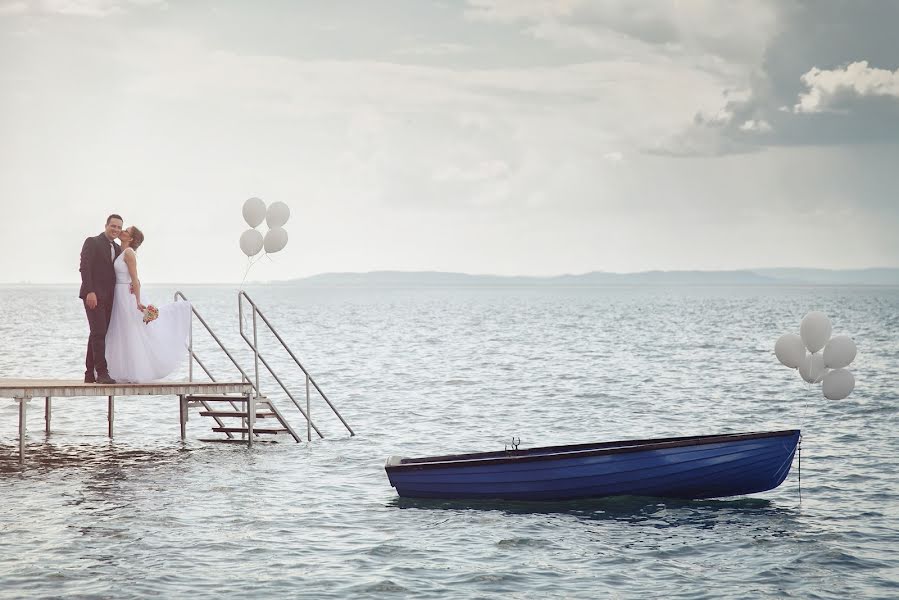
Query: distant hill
[[882, 276]]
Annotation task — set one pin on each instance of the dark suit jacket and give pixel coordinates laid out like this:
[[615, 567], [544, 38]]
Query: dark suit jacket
[[97, 274]]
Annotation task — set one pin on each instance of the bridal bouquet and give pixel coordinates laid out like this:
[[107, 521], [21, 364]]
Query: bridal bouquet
[[150, 313]]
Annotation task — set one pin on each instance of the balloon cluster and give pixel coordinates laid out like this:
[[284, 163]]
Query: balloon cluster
[[827, 367], [275, 216]]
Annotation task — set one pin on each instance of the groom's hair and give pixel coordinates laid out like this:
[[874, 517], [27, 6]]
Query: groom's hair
[[137, 237], [113, 216]]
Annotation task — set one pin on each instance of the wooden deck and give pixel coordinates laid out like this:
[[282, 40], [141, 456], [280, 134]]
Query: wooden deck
[[67, 388], [23, 390]]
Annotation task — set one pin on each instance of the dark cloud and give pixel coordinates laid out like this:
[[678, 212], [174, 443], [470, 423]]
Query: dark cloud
[[824, 35], [732, 31]]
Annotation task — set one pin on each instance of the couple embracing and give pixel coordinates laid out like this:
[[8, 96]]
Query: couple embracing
[[126, 344]]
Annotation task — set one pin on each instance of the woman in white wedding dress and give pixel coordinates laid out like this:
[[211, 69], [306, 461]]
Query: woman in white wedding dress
[[139, 352]]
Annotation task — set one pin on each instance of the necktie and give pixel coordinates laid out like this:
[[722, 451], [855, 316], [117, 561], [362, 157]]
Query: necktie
[[112, 251]]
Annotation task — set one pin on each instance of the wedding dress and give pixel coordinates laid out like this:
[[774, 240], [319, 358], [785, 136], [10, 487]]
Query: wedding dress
[[139, 352]]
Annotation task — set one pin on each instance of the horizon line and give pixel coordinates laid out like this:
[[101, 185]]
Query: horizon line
[[490, 275]]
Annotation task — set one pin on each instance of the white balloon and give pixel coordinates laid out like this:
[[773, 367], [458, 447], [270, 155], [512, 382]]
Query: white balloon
[[277, 215], [839, 352], [254, 212], [789, 349], [838, 384], [812, 368], [251, 242], [275, 239], [815, 330]]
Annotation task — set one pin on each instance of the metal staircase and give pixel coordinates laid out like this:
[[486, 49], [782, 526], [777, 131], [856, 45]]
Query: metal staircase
[[247, 409]]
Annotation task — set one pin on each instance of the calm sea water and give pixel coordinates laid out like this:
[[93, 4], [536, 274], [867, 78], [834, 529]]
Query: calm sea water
[[434, 371]]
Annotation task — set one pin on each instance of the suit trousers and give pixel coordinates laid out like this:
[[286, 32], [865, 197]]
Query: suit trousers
[[98, 319]]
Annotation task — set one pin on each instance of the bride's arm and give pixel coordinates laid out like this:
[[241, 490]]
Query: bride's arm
[[131, 262]]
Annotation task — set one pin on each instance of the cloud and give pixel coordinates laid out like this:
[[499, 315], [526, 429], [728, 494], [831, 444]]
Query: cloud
[[481, 171], [426, 137], [13, 8], [518, 156], [506, 11], [826, 78], [735, 31], [435, 49], [481, 136], [759, 125], [835, 88], [610, 100], [76, 8]]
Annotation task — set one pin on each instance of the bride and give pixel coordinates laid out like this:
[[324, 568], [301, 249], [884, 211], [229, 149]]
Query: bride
[[139, 352]]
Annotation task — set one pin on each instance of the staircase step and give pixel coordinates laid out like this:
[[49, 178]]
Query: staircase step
[[246, 430], [216, 413], [222, 398]]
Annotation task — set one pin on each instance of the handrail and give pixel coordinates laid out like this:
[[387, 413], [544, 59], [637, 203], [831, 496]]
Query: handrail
[[217, 341], [192, 356], [245, 378], [241, 295]]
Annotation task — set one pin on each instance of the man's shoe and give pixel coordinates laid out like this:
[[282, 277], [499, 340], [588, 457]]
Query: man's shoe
[[89, 377], [105, 379]]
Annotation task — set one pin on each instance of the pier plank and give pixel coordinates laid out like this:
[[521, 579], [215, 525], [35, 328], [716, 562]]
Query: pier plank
[[67, 388]]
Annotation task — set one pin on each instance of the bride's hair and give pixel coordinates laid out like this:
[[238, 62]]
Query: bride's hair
[[137, 237]]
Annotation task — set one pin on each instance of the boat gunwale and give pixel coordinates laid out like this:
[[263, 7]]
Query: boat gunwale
[[544, 453]]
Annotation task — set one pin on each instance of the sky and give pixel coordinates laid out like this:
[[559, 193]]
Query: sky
[[509, 137]]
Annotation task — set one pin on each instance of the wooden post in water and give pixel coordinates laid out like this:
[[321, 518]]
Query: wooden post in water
[[182, 416], [47, 410], [111, 415], [22, 409]]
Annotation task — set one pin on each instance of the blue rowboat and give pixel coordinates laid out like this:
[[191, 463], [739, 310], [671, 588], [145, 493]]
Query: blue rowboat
[[705, 466]]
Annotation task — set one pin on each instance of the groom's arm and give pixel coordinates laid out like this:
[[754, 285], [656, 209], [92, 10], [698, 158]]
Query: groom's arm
[[87, 272]]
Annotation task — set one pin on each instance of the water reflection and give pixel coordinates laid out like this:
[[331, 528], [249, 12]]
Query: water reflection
[[106, 460], [645, 510]]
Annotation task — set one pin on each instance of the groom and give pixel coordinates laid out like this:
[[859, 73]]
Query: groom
[[97, 288]]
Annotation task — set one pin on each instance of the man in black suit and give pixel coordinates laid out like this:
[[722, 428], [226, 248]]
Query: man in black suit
[[97, 288]]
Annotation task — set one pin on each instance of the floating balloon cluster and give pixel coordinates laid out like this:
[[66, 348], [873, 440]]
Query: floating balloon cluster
[[275, 216], [827, 367]]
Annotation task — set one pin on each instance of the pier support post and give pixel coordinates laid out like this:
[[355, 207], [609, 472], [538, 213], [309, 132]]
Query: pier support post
[[182, 416], [111, 415], [23, 404], [251, 416], [47, 409]]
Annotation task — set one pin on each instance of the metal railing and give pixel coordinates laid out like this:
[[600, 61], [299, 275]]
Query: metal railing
[[257, 357], [192, 356]]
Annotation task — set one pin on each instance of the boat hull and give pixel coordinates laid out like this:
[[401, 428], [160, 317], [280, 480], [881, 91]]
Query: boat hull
[[711, 466]]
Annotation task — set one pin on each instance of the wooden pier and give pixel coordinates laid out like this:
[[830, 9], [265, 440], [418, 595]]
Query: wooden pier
[[23, 390]]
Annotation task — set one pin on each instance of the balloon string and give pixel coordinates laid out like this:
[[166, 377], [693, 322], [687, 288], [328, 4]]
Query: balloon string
[[809, 395], [250, 263], [809, 385]]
